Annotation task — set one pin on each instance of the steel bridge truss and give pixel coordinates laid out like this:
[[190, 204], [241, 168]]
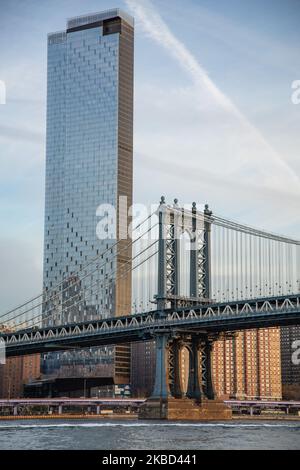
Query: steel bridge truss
[[219, 317], [173, 223]]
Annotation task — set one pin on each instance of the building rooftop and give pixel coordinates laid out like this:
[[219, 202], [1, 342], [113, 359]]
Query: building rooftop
[[76, 21], [94, 17]]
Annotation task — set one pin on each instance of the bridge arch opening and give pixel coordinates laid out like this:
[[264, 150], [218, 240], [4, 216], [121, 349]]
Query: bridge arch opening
[[185, 365]]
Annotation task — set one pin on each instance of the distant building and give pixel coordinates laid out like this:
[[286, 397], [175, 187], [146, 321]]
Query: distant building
[[248, 365], [17, 372], [142, 368], [143, 361]]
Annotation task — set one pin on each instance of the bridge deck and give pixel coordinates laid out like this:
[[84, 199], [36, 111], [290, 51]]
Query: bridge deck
[[215, 318]]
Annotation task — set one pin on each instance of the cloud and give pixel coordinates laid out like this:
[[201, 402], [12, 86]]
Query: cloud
[[251, 44], [226, 196], [23, 134], [155, 28], [230, 142], [198, 146]]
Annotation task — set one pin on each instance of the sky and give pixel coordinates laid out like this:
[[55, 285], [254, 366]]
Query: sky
[[214, 119]]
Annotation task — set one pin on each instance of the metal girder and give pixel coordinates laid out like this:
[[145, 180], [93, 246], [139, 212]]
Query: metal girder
[[173, 222], [216, 318]]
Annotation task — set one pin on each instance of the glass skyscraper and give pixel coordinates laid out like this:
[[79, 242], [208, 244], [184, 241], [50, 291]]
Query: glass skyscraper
[[89, 157]]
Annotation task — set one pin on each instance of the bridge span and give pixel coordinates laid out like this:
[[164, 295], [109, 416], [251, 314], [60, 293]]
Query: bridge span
[[202, 320]]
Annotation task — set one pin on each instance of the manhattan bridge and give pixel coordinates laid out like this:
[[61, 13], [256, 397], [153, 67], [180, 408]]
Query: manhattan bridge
[[197, 277]]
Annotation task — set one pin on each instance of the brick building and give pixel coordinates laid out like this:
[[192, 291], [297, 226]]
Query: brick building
[[16, 372], [248, 365]]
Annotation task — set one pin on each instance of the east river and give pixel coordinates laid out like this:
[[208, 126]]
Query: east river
[[133, 435]]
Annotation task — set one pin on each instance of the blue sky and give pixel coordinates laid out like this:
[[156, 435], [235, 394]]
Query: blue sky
[[214, 121]]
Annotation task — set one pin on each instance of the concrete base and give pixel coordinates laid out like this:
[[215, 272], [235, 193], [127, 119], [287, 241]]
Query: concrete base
[[185, 410]]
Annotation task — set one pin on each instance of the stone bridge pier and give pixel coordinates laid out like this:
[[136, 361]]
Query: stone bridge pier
[[168, 400]]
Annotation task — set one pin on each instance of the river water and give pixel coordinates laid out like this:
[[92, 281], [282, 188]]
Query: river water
[[133, 435]]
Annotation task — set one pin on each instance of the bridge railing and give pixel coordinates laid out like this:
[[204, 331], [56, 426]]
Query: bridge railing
[[151, 322]]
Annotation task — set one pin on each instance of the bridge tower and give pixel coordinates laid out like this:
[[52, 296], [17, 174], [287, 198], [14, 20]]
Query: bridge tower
[[168, 400], [173, 222]]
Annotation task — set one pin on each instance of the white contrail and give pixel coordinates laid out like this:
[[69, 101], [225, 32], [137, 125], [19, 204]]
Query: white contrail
[[157, 29]]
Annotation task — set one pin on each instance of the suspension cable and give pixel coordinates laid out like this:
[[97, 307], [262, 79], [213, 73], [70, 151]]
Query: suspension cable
[[76, 272], [58, 294], [117, 278]]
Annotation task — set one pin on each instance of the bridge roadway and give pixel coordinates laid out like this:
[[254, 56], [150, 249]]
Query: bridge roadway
[[252, 407], [204, 319], [71, 401], [132, 401], [263, 404]]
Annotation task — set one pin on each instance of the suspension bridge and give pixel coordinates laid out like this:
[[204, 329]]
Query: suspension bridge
[[196, 277]]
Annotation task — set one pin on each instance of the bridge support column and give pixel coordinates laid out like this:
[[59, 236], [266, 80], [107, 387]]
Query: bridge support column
[[161, 288], [177, 386], [60, 409], [15, 411], [194, 388], [207, 252], [210, 392], [200, 257], [156, 407], [194, 256], [98, 410], [175, 250], [161, 387]]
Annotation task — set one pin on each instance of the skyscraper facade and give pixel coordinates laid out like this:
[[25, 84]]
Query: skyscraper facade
[[89, 157]]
